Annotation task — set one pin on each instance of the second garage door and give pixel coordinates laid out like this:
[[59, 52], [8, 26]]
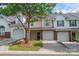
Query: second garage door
[[63, 36], [48, 35]]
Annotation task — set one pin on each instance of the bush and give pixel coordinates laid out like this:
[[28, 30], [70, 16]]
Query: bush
[[38, 43]]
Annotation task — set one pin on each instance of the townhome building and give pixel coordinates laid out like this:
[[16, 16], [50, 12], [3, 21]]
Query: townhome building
[[59, 27], [56, 26], [11, 28]]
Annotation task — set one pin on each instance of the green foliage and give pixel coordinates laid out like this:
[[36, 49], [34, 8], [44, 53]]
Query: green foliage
[[32, 10]]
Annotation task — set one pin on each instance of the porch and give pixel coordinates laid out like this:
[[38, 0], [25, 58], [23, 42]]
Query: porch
[[36, 34], [74, 35]]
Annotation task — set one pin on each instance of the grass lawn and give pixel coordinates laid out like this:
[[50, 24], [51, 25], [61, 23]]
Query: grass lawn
[[37, 46]]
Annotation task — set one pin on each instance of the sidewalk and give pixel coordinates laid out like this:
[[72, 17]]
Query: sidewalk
[[36, 53], [4, 48], [50, 48]]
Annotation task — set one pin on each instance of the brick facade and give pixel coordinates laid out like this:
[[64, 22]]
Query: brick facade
[[7, 35]]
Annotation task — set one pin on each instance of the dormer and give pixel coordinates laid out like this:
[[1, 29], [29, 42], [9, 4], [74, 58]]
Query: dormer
[[59, 16]]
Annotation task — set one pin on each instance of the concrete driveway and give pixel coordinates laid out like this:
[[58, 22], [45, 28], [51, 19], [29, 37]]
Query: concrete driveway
[[73, 46], [4, 48], [53, 46]]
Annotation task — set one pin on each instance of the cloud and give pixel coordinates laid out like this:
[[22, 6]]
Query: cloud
[[66, 7]]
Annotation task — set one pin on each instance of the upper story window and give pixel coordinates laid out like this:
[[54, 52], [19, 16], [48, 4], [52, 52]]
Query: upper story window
[[72, 23], [60, 23], [47, 23], [13, 22], [2, 30], [32, 24]]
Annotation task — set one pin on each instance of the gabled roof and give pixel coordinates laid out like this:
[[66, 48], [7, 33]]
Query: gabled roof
[[11, 18], [71, 16], [68, 16], [3, 17], [51, 17]]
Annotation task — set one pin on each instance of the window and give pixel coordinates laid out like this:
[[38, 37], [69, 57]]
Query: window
[[52, 23], [13, 22], [32, 24], [2, 30], [60, 23], [72, 23], [47, 23]]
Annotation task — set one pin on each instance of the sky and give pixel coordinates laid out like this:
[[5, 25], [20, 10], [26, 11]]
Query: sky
[[66, 7]]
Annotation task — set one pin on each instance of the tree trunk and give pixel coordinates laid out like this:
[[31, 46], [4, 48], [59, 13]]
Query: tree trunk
[[28, 34], [28, 41], [28, 30]]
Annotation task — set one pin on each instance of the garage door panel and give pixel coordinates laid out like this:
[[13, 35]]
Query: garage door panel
[[48, 35], [18, 34], [63, 36], [77, 36]]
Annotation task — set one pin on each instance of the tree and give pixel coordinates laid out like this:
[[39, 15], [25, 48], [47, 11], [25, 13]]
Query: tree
[[32, 11]]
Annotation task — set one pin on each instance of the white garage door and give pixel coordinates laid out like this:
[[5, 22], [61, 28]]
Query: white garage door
[[18, 34], [48, 35], [77, 36], [63, 36]]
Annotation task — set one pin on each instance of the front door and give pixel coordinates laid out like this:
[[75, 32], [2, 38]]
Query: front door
[[38, 36], [73, 35]]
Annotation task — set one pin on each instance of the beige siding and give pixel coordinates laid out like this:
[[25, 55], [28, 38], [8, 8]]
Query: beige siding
[[33, 35], [37, 24]]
